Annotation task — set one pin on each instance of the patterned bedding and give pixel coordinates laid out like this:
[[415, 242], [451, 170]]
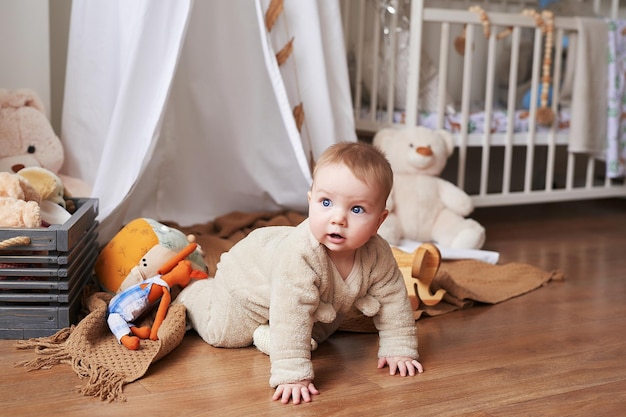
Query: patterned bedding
[[476, 122]]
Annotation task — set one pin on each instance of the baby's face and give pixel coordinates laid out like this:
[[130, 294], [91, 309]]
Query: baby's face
[[344, 212]]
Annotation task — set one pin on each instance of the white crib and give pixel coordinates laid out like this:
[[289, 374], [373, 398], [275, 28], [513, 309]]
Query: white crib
[[503, 156]]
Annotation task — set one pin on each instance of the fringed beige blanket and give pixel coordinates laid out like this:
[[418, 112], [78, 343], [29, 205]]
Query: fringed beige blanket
[[94, 354]]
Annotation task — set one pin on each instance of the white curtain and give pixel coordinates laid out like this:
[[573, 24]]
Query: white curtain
[[177, 110]]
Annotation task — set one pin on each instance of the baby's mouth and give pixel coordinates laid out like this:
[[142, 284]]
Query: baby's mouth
[[336, 236]]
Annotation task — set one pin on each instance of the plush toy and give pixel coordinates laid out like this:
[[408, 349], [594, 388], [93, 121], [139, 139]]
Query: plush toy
[[50, 188], [133, 302], [28, 140], [13, 185], [139, 250], [19, 213], [19, 202], [47, 183], [422, 206]]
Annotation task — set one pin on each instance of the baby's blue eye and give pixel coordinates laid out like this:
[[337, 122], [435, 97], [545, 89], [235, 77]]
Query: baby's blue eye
[[326, 202], [358, 210]]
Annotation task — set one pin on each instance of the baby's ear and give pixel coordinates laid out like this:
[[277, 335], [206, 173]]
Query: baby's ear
[[382, 218]]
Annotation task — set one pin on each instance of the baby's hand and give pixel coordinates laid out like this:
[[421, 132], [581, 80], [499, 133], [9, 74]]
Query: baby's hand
[[404, 365], [299, 390]]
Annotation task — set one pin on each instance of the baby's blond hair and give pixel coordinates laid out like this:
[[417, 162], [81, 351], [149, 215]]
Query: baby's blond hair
[[365, 161]]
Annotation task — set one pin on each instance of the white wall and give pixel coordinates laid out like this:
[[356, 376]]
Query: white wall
[[34, 48], [25, 46], [60, 11]]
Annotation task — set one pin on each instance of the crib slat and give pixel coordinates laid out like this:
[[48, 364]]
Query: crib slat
[[465, 103], [444, 51], [508, 146], [569, 179], [532, 125], [489, 93], [391, 71], [591, 164], [415, 40], [556, 98]]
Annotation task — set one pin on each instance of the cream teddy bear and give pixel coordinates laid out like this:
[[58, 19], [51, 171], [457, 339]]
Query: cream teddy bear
[[422, 206], [27, 139], [19, 202]]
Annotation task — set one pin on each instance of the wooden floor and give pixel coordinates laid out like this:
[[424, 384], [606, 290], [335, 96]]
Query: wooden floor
[[557, 351]]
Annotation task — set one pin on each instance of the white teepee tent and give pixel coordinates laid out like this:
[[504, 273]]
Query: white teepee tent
[[179, 110]]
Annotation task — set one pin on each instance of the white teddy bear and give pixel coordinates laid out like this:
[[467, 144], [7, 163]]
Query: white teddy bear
[[422, 206]]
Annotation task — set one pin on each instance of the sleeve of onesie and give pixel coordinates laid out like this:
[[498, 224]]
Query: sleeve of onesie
[[293, 302], [394, 321]]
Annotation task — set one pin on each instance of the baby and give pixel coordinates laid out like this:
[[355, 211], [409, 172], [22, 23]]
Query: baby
[[297, 283]]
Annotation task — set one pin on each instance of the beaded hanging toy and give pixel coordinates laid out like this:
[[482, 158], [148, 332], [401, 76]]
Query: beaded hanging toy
[[545, 22]]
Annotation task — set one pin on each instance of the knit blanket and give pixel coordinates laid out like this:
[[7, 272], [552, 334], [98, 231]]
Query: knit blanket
[[94, 354]]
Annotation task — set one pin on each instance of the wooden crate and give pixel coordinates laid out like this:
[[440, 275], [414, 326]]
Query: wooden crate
[[42, 279]]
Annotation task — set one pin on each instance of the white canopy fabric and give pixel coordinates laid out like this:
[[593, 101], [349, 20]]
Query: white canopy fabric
[[177, 110]]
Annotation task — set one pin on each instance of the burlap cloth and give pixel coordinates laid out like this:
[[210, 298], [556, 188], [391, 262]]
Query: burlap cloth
[[94, 354], [468, 283]]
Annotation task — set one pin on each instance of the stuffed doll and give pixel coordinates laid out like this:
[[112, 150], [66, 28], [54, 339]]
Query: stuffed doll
[[422, 206], [139, 250], [133, 302]]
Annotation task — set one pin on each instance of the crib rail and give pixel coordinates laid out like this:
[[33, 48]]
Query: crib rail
[[495, 168]]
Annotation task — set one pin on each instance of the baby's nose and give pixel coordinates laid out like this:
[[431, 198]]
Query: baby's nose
[[339, 217]]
